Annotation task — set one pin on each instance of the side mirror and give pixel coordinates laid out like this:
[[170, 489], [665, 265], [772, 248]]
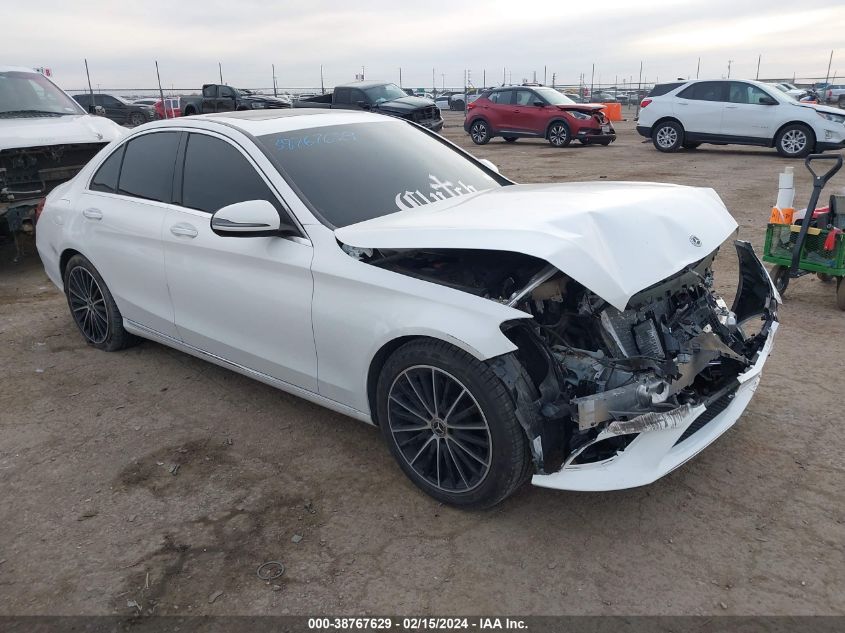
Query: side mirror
[[489, 164], [767, 101], [252, 218], [539, 104]]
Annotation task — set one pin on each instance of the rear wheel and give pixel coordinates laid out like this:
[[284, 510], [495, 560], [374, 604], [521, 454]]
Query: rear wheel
[[510, 139], [479, 132], [93, 308], [780, 275], [795, 141], [451, 425], [668, 136], [559, 134], [136, 118]]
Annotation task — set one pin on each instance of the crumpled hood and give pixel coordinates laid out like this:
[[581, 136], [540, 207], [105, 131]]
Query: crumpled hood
[[818, 107], [615, 238], [37, 132]]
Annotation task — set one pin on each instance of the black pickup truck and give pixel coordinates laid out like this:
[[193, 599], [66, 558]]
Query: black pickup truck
[[221, 98], [378, 96]]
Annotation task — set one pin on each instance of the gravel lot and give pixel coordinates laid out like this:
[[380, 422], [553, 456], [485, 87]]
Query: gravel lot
[[93, 522]]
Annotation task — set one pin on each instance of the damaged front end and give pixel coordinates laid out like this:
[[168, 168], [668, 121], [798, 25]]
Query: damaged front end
[[613, 398], [668, 365]]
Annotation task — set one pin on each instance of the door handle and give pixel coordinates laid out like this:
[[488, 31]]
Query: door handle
[[93, 214], [183, 230]]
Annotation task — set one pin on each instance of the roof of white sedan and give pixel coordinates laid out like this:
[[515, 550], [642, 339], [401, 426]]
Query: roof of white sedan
[[261, 122]]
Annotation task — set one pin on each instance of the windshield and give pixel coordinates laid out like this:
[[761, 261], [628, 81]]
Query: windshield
[[359, 171], [23, 93], [387, 92], [553, 96]]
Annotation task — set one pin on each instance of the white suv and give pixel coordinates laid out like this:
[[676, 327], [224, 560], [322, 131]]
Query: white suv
[[685, 115]]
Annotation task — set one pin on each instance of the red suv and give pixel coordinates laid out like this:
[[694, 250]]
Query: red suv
[[536, 112]]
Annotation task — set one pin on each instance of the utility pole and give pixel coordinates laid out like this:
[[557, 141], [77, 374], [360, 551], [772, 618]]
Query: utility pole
[[639, 88], [484, 78], [161, 92], [830, 61], [759, 57], [554, 75], [400, 76], [433, 83], [544, 75], [275, 92], [362, 73], [322, 84], [592, 80], [730, 61], [220, 70], [443, 80], [90, 89], [697, 68]]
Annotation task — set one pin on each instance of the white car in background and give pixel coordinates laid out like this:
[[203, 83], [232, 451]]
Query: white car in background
[[45, 139], [491, 330], [793, 91], [738, 112]]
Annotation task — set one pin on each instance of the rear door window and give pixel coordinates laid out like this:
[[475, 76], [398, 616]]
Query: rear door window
[[216, 175], [502, 97], [706, 91], [148, 163], [661, 89]]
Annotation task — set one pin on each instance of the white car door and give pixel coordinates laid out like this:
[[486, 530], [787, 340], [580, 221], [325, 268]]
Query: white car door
[[123, 210], [246, 300], [749, 114], [699, 106]]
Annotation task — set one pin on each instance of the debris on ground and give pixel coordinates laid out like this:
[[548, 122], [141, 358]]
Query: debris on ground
[[174, 468], [214, 596], [270, 570]]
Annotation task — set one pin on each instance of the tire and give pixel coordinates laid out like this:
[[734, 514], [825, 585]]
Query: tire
[[467, 467], [136, 119], [457, 105], [668, 136], [189, 111], [779, 275], [795, 141], [479, 132], [559, 134], [842, 101], [690, 145], [840, 293], [825, 278], [605, 143], [93, 308], [510, 139]]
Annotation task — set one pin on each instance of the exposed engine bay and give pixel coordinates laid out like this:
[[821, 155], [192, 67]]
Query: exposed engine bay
[[28, 174], [584, 368]]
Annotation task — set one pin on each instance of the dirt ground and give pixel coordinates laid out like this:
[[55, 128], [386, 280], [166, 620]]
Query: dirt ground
[[93, 522]]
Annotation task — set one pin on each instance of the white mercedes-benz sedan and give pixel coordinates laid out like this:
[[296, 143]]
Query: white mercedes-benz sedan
[[492, 331]]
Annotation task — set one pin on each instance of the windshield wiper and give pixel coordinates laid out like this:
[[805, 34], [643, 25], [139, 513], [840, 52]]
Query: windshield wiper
[[24, 113]]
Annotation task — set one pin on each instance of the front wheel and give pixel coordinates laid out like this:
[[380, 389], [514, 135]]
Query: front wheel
[[451, 425], [559, 134], [136, 119], [668, 136], [93, 308], [479, 132], [794, 141]]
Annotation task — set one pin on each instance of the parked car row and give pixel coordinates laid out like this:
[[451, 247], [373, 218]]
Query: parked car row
[[117, 108]]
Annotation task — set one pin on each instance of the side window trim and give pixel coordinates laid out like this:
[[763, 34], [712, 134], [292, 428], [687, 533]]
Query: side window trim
[[180, 169]]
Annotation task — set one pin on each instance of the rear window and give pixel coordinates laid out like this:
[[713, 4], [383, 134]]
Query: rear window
[[662, 89]]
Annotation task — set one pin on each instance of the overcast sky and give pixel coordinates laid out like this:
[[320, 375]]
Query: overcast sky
[[122, 40]]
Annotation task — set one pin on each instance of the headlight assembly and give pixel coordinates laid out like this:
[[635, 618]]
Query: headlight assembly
[[836, 118]]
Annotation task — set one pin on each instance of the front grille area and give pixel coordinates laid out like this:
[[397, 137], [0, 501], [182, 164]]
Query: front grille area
[[712, 410], [426, 114]]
